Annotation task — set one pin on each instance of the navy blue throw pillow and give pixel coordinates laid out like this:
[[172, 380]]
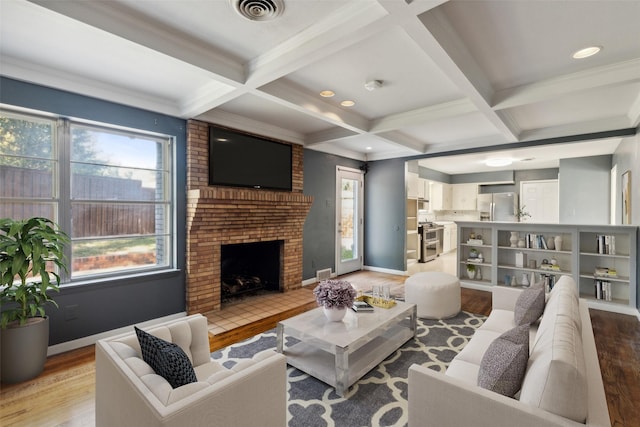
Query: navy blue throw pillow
[[166, 359]]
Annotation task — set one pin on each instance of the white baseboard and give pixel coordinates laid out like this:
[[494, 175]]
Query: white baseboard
[[313, 280], [85, 341], [385, 270], [476, 286], [308, 282]]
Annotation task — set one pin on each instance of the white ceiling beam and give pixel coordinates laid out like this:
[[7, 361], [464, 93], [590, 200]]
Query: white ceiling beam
[[579, 128], [334, 149], [421, 115], [329, 135], [435, 35], [206, 98], [400, 139], [234, 121], [116, 18], [52, 77], [291, 96], [349, 24], [622, 72]]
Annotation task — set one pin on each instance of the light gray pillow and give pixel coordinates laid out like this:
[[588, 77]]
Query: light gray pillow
[[529, 306], [504, 363]]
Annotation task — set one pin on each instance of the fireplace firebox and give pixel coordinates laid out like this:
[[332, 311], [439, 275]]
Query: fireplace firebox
[[248, 268]]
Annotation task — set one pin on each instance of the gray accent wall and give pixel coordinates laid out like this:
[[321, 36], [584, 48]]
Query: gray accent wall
[[385, 205], [319, 248], [627, 158], [110, 304], [584, 190]]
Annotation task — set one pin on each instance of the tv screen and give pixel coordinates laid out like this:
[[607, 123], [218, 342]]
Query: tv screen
[[241, 160]]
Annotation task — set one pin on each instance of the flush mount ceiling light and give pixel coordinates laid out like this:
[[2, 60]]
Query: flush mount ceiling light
[[348, 103], [498, 161], [373, 85], [586, 52], [327, 93], [258, 10]]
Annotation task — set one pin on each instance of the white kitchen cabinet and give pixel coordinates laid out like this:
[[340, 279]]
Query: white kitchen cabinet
[[446, 239], [423, 189], [440, 197], [449, 237], [464, 197], [412, 185]]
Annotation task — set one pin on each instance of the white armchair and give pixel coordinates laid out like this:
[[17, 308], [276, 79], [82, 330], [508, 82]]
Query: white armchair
[[129, 393]]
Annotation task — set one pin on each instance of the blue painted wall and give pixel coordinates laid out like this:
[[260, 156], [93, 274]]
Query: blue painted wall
[[319, 248], [385, 206], [112, 304]]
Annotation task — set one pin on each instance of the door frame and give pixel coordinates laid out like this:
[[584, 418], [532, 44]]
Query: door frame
[[358, 262]]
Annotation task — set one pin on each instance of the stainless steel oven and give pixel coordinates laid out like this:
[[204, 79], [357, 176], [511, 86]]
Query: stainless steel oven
[[430, 246]]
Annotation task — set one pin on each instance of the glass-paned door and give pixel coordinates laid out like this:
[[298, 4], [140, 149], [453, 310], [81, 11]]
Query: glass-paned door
[[349, 220]]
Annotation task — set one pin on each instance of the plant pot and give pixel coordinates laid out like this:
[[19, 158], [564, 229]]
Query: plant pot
[[471, 274], [334, 314], [24, 350]]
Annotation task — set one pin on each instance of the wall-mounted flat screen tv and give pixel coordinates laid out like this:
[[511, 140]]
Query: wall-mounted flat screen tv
[[241, 160]]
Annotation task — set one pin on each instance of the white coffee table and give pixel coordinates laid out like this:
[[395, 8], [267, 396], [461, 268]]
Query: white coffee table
[[340, 353]]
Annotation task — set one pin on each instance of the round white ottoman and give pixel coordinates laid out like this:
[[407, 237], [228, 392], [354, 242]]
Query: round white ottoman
[[435, 294]]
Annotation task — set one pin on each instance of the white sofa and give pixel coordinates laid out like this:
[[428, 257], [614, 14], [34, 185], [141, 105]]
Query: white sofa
[[562, 385], [129, 393]]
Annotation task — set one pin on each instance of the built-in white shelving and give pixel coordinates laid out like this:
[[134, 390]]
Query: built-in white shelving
[[601, 259]]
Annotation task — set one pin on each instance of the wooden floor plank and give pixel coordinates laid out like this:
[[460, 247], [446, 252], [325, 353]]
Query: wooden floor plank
[[64, 393]]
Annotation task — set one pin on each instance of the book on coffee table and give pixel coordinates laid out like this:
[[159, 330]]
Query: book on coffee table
[[362, 307]]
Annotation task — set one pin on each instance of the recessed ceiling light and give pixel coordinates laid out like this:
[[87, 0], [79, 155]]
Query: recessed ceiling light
[[498, 161], [348, 103], [327, 93], [586, 52], [369, 148]]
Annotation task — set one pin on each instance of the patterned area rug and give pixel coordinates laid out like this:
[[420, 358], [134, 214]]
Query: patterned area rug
[[380, 397]]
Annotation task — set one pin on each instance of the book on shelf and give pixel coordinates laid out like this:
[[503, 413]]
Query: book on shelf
[[362, 307], [606, 244], [475, 242], [603, 290], [605, 272], [535, 241]]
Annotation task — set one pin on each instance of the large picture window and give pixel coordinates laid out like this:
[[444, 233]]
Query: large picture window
[[108, 188]]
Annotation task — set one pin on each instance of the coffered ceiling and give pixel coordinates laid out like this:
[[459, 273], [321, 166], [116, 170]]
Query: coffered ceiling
[[455, 74]]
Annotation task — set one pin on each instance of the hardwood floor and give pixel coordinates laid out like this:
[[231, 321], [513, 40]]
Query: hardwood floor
[[63, 395]]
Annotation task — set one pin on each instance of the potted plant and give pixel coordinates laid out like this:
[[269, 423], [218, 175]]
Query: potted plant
[[471, 271], [522, 214], [30, 251], [335, 297]]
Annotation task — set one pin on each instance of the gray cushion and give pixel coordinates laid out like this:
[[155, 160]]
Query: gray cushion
[[166, 359], [504, 363], [529, 306]]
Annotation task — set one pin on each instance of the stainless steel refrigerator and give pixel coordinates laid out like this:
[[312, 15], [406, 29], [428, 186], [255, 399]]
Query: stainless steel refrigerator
[[498, 207]]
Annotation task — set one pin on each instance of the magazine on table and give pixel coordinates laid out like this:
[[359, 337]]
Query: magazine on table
[[362, 307]]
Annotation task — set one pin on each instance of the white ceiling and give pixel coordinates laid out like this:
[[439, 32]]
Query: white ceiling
[[456, 75]]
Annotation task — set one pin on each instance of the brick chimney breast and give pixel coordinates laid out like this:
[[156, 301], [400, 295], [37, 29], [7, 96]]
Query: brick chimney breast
[[225, 215]]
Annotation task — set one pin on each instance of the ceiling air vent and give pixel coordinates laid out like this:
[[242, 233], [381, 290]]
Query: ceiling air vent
[[258, 10]]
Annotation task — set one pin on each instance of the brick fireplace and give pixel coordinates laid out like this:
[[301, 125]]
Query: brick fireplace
[[219, 216]]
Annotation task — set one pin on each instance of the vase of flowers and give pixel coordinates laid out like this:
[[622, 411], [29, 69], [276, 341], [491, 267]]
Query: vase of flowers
[[335, 297]]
